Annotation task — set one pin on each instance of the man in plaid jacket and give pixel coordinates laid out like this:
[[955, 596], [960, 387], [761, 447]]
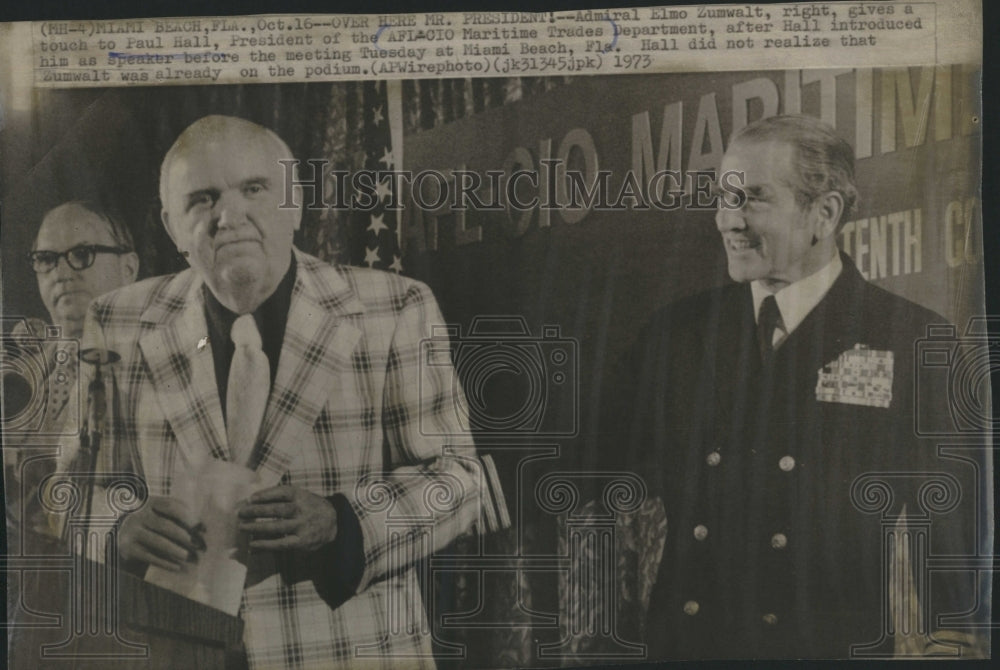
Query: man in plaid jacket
[[351, 491]]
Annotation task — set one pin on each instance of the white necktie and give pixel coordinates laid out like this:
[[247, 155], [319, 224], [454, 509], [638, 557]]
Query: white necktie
[[247, 389]]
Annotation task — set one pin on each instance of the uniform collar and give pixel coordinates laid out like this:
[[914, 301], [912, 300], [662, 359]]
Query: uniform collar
[[796, 300]]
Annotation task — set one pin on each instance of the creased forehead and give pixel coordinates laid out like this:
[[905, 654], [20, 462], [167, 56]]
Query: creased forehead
[[228, 131], [773, 157], [73, 217]]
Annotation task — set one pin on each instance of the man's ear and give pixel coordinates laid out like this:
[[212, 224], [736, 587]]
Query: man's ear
[[165, 217], [297, 198], [131, 266], [827, 210]]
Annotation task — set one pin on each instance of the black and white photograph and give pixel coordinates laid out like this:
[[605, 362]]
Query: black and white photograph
[[496, 339]]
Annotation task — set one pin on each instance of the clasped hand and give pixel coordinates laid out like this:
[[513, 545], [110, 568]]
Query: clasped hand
[[166, 533]]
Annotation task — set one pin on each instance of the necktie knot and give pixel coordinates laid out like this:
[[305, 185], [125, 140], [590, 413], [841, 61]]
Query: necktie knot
[[245, 333]]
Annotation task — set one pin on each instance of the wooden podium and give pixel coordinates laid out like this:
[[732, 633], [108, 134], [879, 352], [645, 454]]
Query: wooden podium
[[75, 613]]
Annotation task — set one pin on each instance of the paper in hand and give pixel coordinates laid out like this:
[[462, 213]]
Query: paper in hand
[[214, 491]]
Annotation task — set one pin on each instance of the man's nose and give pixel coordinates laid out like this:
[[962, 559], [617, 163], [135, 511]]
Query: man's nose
[[62, 270], [729, 218], [231, 210]]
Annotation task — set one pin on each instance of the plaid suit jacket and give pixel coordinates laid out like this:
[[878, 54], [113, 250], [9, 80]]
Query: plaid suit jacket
[[344, 416]]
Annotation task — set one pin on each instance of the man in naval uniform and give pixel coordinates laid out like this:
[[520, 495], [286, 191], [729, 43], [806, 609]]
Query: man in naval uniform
[[760, 405]]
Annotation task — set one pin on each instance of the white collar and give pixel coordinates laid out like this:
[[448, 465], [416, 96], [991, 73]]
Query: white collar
[[796, 300]]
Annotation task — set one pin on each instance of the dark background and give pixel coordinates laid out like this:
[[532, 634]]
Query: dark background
[[145, 144]]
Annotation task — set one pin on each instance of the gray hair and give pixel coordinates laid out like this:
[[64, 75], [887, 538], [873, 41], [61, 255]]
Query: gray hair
[[113, 222], [824, 161], [209, 128]]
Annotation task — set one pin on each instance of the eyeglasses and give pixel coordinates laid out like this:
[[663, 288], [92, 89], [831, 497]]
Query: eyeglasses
[[79, 257]]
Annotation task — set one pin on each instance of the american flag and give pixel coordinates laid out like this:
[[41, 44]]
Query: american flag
[[380, 246]]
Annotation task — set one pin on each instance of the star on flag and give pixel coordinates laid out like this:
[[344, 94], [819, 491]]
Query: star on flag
[[378, 234], [382, 189], [377, 226]]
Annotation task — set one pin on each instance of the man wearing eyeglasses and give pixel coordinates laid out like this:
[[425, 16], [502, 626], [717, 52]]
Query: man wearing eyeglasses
[[79, 254]]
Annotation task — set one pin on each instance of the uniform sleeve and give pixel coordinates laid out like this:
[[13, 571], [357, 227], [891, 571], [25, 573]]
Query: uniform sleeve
[[629, 416], [949, 493], [431, 489]]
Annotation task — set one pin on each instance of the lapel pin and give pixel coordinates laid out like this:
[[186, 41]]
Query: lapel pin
[[202, 343]]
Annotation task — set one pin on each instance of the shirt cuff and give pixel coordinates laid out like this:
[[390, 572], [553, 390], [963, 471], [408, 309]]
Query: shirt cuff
[[339, 565]]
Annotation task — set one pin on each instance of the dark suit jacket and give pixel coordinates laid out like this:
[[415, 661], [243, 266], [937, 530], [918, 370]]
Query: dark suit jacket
[[766, 554]]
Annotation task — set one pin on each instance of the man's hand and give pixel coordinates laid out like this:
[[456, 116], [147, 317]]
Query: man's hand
[[287, 517], [163, 533]]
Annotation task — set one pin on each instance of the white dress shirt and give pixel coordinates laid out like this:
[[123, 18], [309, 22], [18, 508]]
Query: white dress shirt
[[796, 300]]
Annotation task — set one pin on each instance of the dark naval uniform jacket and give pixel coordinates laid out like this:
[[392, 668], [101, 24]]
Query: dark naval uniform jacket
[[770, 475]]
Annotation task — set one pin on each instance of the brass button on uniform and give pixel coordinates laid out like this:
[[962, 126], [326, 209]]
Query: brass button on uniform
[[691, 607], [700, 532], [770, 619], [713, 458], [779, 541], [787, 463]]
